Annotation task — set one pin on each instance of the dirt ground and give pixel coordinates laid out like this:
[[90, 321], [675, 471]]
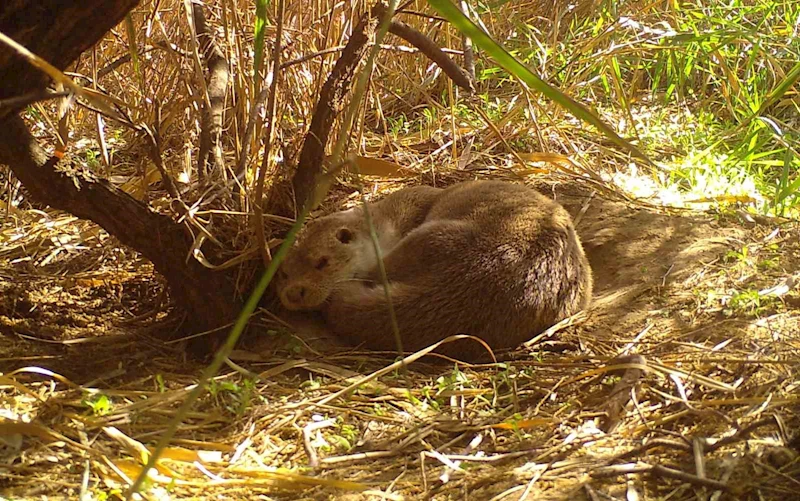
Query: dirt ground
[[681, 382]]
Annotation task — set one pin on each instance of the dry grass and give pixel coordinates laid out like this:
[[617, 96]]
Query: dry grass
[[86, 386], [92, 398]]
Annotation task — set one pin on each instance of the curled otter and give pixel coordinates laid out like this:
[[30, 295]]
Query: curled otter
[[496, 260]]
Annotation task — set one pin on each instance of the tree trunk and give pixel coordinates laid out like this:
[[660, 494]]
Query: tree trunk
[[59, 31]]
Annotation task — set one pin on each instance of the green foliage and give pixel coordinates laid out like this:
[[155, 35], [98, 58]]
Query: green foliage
[[92, 158], [740, 256], [514, 421], [747, 302], [101, 495], [99, 404], [429, 115], [712, 83], [432, 398], [398, 125], [344, 440], [349, 432], [771, 262], [235, 398], [455, 380], [522, 72], [340, 442], [311, 384]]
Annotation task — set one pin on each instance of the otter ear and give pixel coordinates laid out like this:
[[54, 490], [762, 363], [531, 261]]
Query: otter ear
[[344, 235]]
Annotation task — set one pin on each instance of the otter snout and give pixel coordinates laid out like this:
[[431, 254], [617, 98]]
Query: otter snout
[[294, 296], [302, 295]]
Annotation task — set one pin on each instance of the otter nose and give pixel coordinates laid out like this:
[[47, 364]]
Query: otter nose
[[295, 294]]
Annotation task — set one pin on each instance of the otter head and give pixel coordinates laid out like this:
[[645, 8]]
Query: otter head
[[328, 252]]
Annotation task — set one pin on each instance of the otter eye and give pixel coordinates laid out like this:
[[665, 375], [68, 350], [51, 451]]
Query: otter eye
[[321, 263], [344, 235]]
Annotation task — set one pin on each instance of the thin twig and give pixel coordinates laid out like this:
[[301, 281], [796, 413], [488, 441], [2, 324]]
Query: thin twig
[[660, 471]]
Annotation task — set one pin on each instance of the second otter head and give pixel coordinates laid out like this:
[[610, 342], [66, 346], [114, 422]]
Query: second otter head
[[329, 251]]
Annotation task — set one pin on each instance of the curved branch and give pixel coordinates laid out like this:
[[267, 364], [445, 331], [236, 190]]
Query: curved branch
[[206, 295], [456, 73]]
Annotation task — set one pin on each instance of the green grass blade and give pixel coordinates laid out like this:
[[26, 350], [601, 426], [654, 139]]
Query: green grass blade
[[519, 70], [258, 57], [130, 29], [784, 85]]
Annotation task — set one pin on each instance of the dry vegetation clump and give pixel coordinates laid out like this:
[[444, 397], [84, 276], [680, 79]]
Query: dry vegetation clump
[[681, 382]]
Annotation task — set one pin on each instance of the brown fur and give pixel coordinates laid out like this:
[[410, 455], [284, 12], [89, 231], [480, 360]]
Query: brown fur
[[496, 260]]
